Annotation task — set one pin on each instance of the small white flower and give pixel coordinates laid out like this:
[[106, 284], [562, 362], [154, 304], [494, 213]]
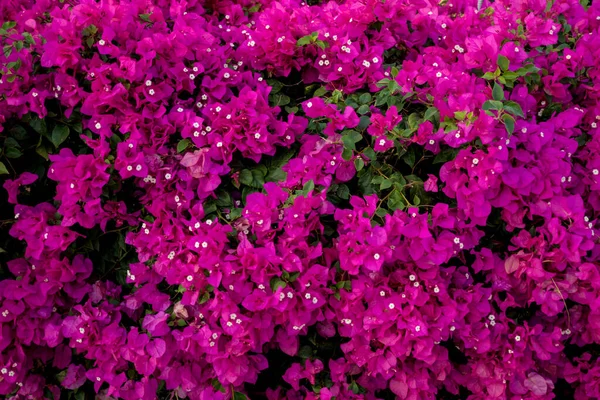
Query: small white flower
[[226, 75], [444, 26], [412, 278], [438, 75], [594, 125], [151, 92], [11, 373], [129, 168], [257, 136], [314, 300], [307, 296], [417, 328], [204, 245], [551, 32], [391, 306], [452, 328], [366, 64], [382, 142], [457, 240], [211, 344], [3, 371], [518, 338], [376, 256], [219, 144], [568, 57], [595, 171], [179, 109], [431, 141], [436, 289], [98, 126], [230, 287], [101, 42], [289, 295], [309, 104]]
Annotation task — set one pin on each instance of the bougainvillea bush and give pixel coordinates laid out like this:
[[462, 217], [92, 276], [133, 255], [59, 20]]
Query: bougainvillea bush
[[358, 199]]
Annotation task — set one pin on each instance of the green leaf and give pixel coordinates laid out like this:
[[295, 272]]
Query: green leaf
[[350, 138], [145, 17], [363, 109], [503, 62], [347, 154], [509, 123], [460, 115], [431, 114], [395, 201], [382, 97], [276, 283], [308, 187], [410, 157], [445, 156], [514, 108], [28, 38], [320, 92], [254, 178], [39, 125], [246, 177], [60, 133], [343, 192], [394, 71], [304, 40], [9, 25], [275, 85], [498, 92], [359, 163], [383, 83], [280, 99], [492, 105], [364, 98], [385, 184], [3, 170], [7, 50], [183, 144], [323, 45], [42, 151]]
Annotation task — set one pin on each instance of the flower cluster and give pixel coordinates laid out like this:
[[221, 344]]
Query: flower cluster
[[300, 199]]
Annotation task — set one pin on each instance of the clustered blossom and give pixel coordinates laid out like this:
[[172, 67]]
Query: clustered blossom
[[175, 96]]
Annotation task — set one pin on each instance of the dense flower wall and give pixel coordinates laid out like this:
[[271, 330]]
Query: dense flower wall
[[357, 199]]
